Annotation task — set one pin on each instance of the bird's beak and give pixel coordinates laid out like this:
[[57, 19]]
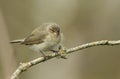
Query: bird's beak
[[56, 33]]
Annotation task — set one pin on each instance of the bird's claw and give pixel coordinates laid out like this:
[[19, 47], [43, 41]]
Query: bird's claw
[[62, 53]]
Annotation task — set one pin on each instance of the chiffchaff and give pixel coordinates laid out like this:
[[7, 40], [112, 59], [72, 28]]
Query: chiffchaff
[[47, 37]]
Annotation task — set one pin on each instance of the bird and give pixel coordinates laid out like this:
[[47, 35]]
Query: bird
[[44, 38]]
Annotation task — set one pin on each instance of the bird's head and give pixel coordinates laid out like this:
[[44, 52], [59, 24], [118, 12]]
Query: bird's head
[[54, 28]]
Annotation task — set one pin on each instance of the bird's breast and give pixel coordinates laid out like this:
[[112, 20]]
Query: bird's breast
[[49, 43], [52, 39]]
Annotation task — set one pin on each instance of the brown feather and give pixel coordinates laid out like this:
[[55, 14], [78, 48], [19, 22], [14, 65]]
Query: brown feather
[[36, 37]]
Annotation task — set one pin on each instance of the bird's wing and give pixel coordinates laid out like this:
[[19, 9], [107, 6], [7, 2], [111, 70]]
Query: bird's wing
[[36, 37]]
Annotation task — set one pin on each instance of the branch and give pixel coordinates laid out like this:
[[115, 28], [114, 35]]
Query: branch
[[24, 66]]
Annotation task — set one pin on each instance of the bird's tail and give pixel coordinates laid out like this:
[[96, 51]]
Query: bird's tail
[[17, 41]]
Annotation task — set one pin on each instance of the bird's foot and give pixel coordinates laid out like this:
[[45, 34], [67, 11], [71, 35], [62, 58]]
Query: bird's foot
[[61, 52]]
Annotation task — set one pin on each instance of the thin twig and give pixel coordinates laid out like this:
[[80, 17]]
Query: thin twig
[[24, 66]]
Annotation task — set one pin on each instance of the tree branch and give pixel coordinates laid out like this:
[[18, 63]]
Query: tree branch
[[24, 66]]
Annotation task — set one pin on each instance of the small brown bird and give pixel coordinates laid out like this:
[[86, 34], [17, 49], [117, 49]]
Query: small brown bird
[[47, 37]]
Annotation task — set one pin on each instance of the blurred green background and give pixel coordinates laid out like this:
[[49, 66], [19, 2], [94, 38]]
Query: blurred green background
[[82, 21]]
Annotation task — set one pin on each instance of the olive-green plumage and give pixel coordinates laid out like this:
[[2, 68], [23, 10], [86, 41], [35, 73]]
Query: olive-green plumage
[[44, 38]]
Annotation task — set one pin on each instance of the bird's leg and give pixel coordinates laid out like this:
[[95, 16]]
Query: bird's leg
[[54, 51], [60, 47], [60, 52], [45, 57]]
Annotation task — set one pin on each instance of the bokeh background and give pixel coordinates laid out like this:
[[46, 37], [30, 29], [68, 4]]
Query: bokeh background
[[82, 21]]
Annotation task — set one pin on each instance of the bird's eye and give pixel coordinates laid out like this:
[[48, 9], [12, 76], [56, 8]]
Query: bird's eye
[[52, 30]]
